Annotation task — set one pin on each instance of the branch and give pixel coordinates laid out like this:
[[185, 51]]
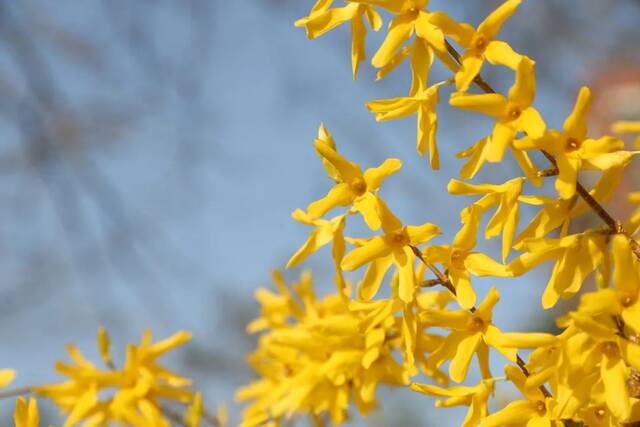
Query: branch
[[614, 225]]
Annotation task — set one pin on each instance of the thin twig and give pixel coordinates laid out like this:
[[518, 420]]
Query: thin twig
[[615, 226], [15, 392]]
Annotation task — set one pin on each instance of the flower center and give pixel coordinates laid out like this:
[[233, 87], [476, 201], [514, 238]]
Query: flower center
[[600, 413], [610, 348], [514, 112], [627, 300], [359, 186], [481, 42], [540, 407], [399, 237], [457, 257], [572, 144], [476, 324]]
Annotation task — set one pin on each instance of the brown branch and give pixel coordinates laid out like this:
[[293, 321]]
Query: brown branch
[[446, 282], [15, 392], [615, 226]]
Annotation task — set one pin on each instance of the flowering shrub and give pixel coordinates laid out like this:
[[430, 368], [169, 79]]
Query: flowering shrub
[[324, 357]]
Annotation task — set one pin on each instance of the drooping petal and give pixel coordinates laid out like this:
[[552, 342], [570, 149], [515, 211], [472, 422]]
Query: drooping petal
[[515, 413], [421, 60], [367, 206], [567, 176], [523, 90], [390, 222], [470, 68], [372, 279], [501, 137], [400, 29], [613, 373], [465, 294], [426, 134], [318, 237], [404, 261], [462, 359], [358, 36]]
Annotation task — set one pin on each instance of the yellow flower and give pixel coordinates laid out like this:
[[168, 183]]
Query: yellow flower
[[422, 102], [480, 44], [634, 221], [506, 195], [352, 186], [477, 156], [26, 414], [322, 18], [536, 410], [475, 398], [623, 299], [326, 358], [394, 246], [473, 333], [576, 256], [612, 353], [573, 150], [410, 18], [554, 213], [136, 389], [459, 260], [513, 113]]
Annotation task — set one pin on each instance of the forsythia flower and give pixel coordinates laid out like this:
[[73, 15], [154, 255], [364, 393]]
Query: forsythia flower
[[26, 414], [513, 113], [352, 186], [577, 256], [138, 387], [573, 150], [322, 19], [422, 102], [325, 355], [459, 259], [473, 333], [506, 195], [394, 246], [480, 44], [410, 17]]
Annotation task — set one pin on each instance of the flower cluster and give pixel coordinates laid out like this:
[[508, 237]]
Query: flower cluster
[[387, 325]]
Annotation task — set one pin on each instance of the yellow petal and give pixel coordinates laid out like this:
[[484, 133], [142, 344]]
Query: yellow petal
[[492, 24], [318, 237], [373, 248], [358, 35], [422, 233], [575, 126], [527, 339], [390, 222], [515, 413], [400, 29], [500, 53], [501, 138], [6, 377], [375, 176], [613, 373], [461, 33], [523, 91], [465, 294], [340, 195], [462, 359], [367, 206], [348, 170], [532, 123], [404, 261], [492, 104], [373, 277], [426, 134], [470, 68], [482, 265], [567, 176]]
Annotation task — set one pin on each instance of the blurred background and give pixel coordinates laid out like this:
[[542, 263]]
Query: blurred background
[[151, 153]]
